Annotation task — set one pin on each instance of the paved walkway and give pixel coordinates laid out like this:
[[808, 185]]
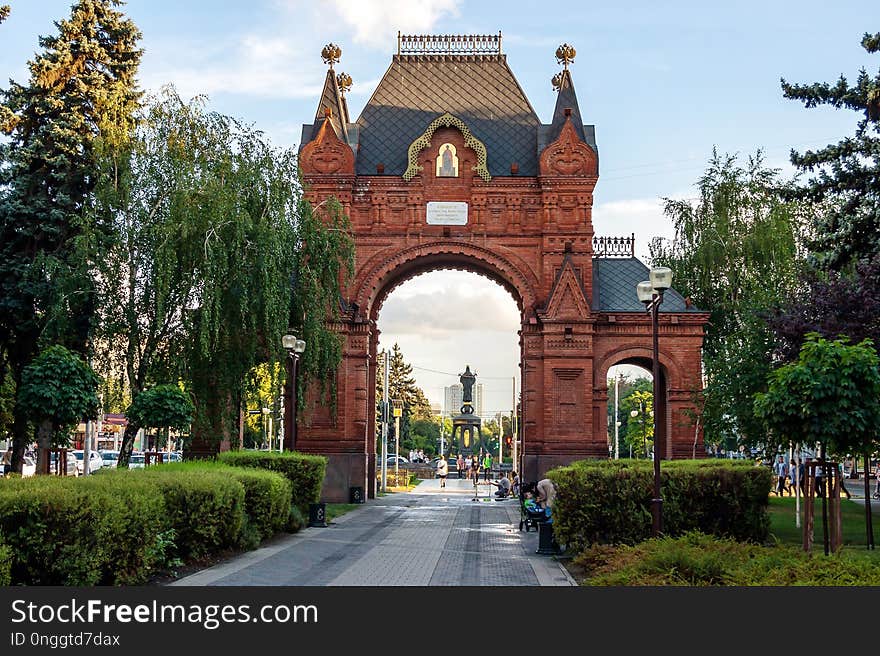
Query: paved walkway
[[428, 537]]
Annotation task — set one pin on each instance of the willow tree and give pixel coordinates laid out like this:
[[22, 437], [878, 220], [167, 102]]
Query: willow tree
[[81, 93], [735, 254], [212, 230]]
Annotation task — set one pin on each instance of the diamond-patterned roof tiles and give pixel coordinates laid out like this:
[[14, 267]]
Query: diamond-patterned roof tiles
[[614, 287], [479, 89]]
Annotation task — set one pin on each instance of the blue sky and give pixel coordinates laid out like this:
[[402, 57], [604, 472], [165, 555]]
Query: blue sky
[[663, 83]]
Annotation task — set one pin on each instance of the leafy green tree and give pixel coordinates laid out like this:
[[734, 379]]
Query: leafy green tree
[[639, 430], [830, 396], [81, 94], [58, 390], [164, 407], [847, 174], [735, 254]]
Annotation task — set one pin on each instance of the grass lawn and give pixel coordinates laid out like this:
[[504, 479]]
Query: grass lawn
[[334, 510], [782, 522]]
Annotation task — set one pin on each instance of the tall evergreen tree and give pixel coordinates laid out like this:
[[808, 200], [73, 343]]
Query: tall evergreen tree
[[402, 386], [81, 97], [847, 180]]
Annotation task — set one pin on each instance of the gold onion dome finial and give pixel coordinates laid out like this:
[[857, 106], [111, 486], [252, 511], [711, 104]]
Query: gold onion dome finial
[[344, 82], [565, 54], [331, 54]]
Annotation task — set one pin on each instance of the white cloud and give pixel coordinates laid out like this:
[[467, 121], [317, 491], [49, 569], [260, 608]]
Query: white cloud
[[376, 22], [254, 64]]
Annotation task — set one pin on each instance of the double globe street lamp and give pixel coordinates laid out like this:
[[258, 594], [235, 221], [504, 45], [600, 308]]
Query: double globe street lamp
[[295, 348], [650, 292]]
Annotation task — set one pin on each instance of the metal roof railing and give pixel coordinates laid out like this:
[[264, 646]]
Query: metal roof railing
[[449, 44], [614, 246]]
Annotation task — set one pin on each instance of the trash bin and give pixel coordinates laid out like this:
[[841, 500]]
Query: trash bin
[[546, 544], [356, 495], [317, 515]]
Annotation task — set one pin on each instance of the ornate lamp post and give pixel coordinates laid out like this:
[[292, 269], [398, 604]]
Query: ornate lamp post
[[650, 292], [295, 347]]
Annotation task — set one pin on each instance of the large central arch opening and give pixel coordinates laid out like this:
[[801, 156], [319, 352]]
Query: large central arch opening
[[438, 321]]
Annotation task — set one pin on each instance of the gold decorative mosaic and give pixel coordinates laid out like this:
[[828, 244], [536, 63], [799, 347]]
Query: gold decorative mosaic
[[447, 120]]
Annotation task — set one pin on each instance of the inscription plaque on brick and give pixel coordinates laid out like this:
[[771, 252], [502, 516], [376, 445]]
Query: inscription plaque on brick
[[447, 213]]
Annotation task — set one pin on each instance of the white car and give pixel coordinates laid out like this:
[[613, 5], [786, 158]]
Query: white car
[[95, 461], [109, 458]]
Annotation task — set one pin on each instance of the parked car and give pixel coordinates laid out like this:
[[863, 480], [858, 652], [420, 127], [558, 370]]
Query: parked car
[[137, 461], [95, 461], [400, 459], [28, 467], [109, 458], [71, 467]]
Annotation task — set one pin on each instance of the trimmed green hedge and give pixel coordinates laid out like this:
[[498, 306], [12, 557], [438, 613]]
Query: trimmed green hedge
[[123, 526], [267, 495], [5, 563], [609, 502], [305, 472], [69, 531]]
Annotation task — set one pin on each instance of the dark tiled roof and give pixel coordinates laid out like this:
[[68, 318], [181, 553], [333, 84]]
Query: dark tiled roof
[[332, 98], [614, 287], [478, 89]]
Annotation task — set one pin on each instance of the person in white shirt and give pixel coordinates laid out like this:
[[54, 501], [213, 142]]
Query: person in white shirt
[[442, 470]]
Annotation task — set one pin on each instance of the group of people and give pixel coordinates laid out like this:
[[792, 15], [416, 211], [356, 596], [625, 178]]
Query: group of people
[[417, 455], [506, 485], [789, 477]]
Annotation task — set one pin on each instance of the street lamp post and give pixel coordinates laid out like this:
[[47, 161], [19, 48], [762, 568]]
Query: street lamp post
[[295, 348], [650, 292]]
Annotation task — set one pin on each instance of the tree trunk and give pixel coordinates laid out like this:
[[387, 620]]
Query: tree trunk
[[20, 439], [869, 524], [44, 443], [127, 445]]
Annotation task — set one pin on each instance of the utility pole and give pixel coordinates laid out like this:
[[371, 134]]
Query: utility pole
[[616, 422], [385, 405], [513, 430]]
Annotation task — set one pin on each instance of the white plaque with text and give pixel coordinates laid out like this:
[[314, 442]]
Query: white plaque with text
[[447, 213]]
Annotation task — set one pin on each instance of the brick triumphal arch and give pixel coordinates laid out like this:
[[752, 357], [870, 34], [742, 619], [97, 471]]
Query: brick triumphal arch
[[448, 166]]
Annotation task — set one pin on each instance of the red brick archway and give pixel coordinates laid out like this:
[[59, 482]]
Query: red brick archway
[[525, 223]]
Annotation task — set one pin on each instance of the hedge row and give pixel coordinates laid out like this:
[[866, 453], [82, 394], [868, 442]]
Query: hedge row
[[696, 559], [609, 502], [123, 526], [305, 472]]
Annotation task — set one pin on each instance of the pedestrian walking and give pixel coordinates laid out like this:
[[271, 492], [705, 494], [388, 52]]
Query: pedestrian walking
[[781, 471], [459, 464], [442, 470], [487, 465]]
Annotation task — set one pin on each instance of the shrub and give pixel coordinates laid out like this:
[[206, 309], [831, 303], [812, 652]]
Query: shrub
[[305, 472], [205, 508], [696, 559], [68, 531], [267, 497], [609, 502], [5, 563]]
